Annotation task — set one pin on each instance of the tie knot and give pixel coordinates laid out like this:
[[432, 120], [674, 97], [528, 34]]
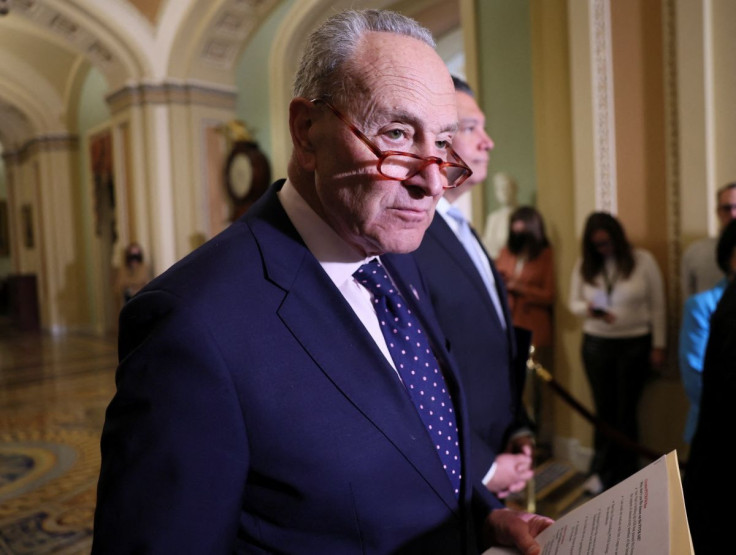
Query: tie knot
[[372, 275]]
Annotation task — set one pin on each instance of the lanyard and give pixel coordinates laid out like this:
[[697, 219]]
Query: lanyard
[[610, 282]]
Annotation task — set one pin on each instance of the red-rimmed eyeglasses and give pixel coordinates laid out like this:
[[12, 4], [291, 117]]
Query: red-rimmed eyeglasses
[[399, 165]]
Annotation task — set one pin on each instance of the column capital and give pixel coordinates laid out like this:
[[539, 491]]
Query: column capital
[[168, 93]]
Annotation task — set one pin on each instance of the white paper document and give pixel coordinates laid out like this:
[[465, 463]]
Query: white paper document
[[643, 515]]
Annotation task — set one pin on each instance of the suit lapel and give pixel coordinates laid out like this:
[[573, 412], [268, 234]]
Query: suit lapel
[[503, 296], [325, 325], [441, 233], [407, 277]]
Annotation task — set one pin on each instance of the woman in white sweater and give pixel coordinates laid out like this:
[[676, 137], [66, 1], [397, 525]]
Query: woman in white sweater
[[619, 293]]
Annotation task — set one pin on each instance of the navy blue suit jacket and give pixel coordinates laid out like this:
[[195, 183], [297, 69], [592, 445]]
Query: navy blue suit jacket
[[254, 413], [491, 371]]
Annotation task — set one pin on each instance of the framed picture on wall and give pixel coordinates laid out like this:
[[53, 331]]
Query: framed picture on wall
[[4, 232], [100, 151], [26, 215]]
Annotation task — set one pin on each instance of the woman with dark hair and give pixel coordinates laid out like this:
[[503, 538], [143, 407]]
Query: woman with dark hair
[[618, 291], [527, 267]]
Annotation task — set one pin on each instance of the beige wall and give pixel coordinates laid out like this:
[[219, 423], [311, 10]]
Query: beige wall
[[554, 146], [567, 83], [643, 194]]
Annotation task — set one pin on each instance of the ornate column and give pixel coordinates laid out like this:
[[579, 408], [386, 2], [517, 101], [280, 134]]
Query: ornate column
[[164, 135]]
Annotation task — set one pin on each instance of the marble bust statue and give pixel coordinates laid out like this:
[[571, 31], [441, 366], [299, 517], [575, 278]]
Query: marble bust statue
[[497, 222]]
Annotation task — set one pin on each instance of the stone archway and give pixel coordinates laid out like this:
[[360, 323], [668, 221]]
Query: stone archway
[[46, 47]]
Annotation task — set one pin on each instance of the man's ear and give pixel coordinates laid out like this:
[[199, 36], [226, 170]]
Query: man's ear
[[301, 111]]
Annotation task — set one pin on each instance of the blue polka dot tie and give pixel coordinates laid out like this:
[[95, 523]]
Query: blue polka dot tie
[[416, 364]]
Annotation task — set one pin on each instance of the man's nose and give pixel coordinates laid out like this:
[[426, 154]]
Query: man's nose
[[486, 142], [433, 179]]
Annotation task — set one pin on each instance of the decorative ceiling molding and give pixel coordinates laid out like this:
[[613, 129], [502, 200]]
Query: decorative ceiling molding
[[63, 142], [74, 33], [604, 135], [171, 93], [231, 29]]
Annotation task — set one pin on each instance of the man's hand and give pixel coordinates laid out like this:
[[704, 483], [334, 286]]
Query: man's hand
[[512, 474], [521, 443], [515, 528]]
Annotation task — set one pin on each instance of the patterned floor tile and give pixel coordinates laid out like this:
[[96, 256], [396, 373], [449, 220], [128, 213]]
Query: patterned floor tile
[[53, 394]]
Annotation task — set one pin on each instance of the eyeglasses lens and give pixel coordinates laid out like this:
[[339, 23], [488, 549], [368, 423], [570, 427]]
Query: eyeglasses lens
[[400, 167]]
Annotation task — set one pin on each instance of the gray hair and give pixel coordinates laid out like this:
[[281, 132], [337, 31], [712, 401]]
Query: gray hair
[[321, 69]]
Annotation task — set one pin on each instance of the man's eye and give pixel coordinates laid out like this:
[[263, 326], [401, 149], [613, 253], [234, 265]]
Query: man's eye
[[442, 144], [395, 134]]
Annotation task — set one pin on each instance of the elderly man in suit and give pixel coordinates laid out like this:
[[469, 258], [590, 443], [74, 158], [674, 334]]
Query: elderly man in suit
[[470, 301], [284, 388]]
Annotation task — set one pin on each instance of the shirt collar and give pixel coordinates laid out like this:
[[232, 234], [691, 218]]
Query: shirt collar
[[338, 258], [443, 207]]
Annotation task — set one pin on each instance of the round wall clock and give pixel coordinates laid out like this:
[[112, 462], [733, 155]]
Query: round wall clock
[[240, 175], [247, 175]]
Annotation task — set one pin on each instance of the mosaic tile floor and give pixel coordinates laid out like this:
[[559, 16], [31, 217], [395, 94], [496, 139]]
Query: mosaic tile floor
[[53, 394]]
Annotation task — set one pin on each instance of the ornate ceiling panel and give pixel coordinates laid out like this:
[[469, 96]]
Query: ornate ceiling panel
[[231, 29], [72, 31]]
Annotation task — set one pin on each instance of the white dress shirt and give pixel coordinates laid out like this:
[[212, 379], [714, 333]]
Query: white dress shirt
[[337, 258]]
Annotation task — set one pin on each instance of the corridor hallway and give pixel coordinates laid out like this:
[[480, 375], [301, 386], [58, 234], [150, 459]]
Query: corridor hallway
[[53, 395]]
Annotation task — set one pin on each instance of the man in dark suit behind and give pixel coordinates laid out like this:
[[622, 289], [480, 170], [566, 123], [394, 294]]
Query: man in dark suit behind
[[470, 301], [708, 491], [259, 408]]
